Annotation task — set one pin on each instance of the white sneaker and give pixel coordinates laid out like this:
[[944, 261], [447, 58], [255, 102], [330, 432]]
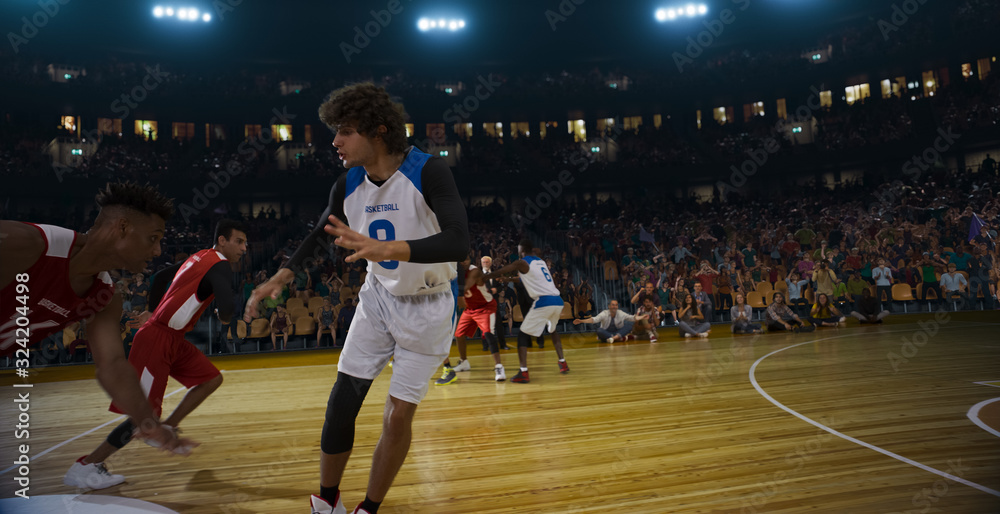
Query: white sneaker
[[843, 319], [321, 506], [704, 335], [688, 334], [610, 340], [90, 476], [464, 366], [501, 376]]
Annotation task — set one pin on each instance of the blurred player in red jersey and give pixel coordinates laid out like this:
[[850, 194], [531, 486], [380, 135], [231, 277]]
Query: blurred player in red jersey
[[159, 349], [53, 277], [480, 312]]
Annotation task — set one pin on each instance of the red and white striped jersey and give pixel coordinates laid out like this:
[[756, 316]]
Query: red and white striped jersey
[[180, 307], [46, 302], [478, 297]]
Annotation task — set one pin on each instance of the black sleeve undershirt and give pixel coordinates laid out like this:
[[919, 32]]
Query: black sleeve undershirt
[[441, 195], [217, 280]]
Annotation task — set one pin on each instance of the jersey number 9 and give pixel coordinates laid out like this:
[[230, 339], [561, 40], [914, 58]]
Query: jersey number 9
[[383, 231]]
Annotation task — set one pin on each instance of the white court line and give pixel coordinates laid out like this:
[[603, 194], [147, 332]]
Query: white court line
[[973, 415], [990, 383], [74, 438], [949, 476]]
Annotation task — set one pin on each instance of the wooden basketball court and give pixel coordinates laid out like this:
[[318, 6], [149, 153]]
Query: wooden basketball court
[[853, 420]]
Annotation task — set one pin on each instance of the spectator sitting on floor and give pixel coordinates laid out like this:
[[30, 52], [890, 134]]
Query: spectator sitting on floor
[[613, 324], [780, 317], [866, 310], [824, 313], [691, 320], [741, 314]]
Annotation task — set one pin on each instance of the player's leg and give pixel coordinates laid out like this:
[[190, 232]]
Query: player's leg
[[367, 349], [486, 321], [392, 447], [193, 370], [552, 324]]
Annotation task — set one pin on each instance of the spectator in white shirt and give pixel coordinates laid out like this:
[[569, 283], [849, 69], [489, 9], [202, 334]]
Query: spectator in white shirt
[[613, 324], [882, 275], [954, 284]]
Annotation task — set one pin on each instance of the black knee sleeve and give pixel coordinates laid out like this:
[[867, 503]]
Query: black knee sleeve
[[341, 411], [491, 340], [524, 340], [121, 435]]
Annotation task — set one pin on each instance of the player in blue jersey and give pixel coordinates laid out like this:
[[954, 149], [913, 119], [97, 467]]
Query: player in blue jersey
[[546, 307], [399, 209]]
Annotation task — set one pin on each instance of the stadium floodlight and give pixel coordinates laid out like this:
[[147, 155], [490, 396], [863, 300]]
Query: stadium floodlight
[[690, 10], [169, 11], [206, 17], [182, 14], [158, 11], [450, 24], [193, 14]]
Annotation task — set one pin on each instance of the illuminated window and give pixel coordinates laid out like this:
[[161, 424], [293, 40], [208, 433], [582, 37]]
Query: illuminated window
[[68, 123], [984, 67], [109, 126], [782, 109], [604, 124], [519, 128], [697, 117], [578, 128], [251, 131], [181, 130], [281, 132], [214, 132], [826, 99], [753, 109], [657, 121], [147, 129], [857, 93], [544, 126], [930, 83], [967, 72], [493, 129], [308, 134], [719, 115], [409, 130], [435, 132], [463, 130], [632, 123]]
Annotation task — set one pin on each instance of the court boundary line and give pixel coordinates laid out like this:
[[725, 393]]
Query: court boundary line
[[988, 383], [760, 390], [74, 438], [973, 415]]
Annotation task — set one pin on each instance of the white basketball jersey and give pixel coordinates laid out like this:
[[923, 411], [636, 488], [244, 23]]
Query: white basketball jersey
[[396, 210], [538, 281]]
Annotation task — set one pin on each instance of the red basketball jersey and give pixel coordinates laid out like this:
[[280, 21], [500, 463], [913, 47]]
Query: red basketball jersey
[[50, 301], [478, 297], [180, 308]]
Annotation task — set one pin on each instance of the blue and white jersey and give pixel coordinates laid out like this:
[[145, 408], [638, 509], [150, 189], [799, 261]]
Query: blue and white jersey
[[397, 210], [538, 282]]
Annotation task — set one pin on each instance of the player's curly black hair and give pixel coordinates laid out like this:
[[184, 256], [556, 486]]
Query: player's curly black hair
[[366, 106], [143, 198]]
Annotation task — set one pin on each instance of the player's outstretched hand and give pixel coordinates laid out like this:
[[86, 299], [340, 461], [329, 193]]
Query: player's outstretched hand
[[165, 438], [144, 317], [364, 247], [271, 288]]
